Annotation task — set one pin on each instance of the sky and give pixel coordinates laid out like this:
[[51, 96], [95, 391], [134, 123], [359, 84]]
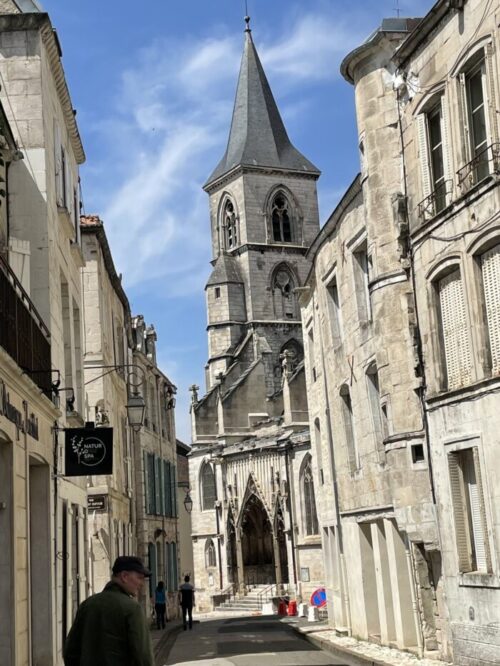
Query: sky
[[153, 83]]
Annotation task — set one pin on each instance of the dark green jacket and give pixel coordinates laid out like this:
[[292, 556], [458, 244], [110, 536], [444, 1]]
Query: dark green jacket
[[110, 629]]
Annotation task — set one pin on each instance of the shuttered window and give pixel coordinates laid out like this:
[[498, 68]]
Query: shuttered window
[[469, 511], [173, 490], [454, 329], [490, 265], [167, 505], [423, 155], [150, 480]]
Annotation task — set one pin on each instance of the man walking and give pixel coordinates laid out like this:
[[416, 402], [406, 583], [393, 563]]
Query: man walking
[[110, 628], [186, 600]]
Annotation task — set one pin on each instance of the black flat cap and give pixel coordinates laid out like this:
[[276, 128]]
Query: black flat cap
[[130, 563]]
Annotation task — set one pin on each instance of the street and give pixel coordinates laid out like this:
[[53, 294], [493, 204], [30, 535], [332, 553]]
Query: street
[[245, 641]]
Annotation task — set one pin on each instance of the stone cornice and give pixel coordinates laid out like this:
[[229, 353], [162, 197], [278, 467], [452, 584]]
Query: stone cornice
[[269, 171], [41, 23]]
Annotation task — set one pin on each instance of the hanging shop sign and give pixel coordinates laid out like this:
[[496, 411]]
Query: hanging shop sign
[[25, 424], [89, 451], [97, 503]]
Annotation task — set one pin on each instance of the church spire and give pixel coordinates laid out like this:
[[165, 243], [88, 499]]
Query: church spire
[[258, 136]]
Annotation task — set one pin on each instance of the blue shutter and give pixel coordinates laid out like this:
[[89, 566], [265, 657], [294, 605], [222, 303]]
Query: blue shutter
[[166, 488], [157, 495], [172, 491]]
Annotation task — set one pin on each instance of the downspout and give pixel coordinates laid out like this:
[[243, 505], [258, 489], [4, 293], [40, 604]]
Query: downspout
[[342, 567], [28, 534], [291, 505], [55, 430]]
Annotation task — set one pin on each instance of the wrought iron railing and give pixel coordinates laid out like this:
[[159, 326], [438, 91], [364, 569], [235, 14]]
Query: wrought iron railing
[[23, 333], [485, 163], [436, 201]]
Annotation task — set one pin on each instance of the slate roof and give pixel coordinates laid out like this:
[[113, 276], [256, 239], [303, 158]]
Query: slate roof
[[225, 271], [258, 136]]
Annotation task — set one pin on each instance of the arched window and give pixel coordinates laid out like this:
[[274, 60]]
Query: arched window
[[230, 225], [281, 219], [284, 300], [208, 494], [210, 560], [309, 501]]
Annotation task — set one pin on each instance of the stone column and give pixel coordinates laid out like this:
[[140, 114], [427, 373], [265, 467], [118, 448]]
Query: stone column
[[402, 601], [239, 562], [383, 580]]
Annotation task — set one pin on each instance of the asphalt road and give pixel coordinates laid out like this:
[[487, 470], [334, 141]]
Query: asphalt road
[[246, 641]]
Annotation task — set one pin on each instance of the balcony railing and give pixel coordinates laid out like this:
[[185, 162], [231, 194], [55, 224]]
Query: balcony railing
[[485, 163], [23, 334], [436, 201]]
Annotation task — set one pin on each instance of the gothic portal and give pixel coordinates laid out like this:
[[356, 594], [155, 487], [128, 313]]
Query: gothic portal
[[250, 429]]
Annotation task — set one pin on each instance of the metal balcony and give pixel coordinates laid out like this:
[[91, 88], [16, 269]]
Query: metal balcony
[[23, 334], [436, 201], [485, 163]]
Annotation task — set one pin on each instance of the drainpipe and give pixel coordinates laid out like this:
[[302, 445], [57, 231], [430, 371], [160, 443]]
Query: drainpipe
[[414, 601], [28, 535], [291, 505]]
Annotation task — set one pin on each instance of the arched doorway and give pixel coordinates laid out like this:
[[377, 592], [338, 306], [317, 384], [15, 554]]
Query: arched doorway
[[257, 544]]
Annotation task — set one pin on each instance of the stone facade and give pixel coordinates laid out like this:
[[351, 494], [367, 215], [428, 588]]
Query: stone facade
[[45, 253], [155, 468], [453, 203], [254, 516], [185, 542], [108, 343]]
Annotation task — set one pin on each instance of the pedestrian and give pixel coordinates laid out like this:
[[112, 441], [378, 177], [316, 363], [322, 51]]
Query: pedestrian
[[160, 605], [110, 627], [186, 600]]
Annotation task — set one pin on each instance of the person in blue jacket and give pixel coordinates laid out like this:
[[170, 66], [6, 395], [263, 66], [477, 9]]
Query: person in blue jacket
[[160, 605]]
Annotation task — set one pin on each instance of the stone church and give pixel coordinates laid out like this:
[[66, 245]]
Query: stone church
[[254, 515]]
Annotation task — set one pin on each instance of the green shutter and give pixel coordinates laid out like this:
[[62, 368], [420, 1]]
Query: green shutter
[[145, 462], [173, 491], [157, 498]]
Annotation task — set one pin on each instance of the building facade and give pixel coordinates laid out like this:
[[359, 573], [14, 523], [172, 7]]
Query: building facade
[[185, 543], [254, 515], [449, 91], [400, 322], [108, 347], [155, 468], [44, 253]]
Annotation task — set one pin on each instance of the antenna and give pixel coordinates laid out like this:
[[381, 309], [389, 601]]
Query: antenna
[[396, 8]]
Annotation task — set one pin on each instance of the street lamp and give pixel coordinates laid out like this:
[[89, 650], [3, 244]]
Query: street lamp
[[188, 502], [135, 411]]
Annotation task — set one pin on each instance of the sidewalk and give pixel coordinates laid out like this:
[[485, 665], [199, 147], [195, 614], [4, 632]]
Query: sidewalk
[[360, 653], [163, 639]]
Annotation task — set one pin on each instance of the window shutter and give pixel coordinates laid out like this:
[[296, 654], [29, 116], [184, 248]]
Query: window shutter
[[446, 143], [161, 490], [166, 489], [459, 513], [157, 496], [479, 524], [175, 576], [173, 491], [464, 115], [423, 153], [455, 331], [166, 563], [491, 93], [490, 264], [58, 164], [68, 190], [146, 484]]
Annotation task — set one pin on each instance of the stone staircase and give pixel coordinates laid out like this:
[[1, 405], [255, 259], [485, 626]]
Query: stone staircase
[[249, 604]]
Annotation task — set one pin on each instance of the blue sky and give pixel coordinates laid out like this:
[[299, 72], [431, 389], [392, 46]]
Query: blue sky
[[153, 83]]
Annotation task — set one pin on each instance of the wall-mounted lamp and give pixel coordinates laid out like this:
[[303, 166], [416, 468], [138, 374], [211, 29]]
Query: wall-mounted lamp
[[135, 411], [188, 502]]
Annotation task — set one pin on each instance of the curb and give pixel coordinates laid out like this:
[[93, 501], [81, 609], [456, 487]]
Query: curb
[[355, 658], [164, 645]]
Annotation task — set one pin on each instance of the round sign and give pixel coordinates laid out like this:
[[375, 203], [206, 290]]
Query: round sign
[[318, 597], [90, 451]]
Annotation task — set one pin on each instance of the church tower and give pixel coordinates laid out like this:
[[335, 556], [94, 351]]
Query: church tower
[[264, 216]]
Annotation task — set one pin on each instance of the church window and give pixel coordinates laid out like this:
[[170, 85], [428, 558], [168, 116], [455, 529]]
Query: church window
[[210, 560], [208, 493], [230, 224], [309, 500], [284, 300], [217, 292], [282, 224]]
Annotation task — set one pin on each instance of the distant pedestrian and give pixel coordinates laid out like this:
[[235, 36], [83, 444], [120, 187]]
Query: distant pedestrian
[[160, 605], [110, 628], [186, 600]]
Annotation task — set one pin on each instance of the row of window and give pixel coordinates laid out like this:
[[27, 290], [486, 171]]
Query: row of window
[[160, 481], [283, 223], [163, 568], [481, 151]]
